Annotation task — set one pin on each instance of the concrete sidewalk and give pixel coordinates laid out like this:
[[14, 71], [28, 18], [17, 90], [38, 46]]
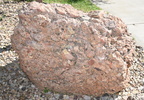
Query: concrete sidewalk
[[131, 12]]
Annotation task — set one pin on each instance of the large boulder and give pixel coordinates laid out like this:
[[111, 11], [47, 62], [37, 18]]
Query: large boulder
[[69, 51]]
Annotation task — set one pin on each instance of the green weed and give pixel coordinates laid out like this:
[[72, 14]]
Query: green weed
[[84, 5]]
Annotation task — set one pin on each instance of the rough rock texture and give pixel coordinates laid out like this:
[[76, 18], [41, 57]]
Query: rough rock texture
[[68, 51]]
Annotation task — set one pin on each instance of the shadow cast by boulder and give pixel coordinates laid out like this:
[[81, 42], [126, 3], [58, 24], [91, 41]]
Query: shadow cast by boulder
[[7, 48]]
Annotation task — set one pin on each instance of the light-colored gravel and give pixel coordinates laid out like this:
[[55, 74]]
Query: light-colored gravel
[[15, 85]]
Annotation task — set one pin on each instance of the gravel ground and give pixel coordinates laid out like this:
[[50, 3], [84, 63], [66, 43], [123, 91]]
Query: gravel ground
[[15, 85]]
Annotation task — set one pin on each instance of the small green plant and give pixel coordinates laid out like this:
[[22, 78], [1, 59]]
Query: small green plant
[[84, 5], [2, 16], [46, 90]]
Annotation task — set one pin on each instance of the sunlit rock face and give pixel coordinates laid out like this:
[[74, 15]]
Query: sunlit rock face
[[69, 51]]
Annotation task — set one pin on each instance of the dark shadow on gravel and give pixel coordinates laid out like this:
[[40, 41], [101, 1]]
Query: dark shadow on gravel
[[13, 64], [105, 96], [7, 48], [9, 68], [12, 79]]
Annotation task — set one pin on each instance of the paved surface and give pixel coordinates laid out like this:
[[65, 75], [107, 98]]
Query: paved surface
[[131, 12]]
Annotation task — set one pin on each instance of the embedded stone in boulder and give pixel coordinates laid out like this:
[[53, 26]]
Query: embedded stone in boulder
[[69, 51]]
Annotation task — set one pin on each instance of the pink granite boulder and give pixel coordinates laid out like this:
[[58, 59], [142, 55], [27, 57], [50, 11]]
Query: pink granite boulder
[[69, 51]]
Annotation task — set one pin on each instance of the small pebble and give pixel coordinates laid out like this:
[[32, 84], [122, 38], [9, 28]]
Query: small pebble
[[65, 97], [86, 97]]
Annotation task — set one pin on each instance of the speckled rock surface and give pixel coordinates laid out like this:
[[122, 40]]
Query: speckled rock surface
[[68, 51], [15, 85]]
